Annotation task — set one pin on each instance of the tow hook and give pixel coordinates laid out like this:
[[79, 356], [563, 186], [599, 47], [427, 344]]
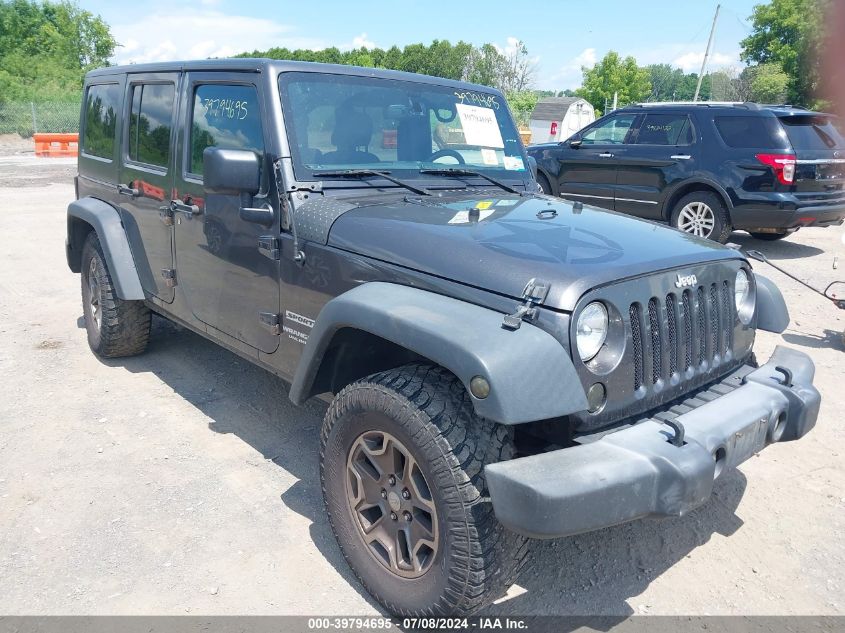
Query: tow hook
[[678, 438], [787, 375]]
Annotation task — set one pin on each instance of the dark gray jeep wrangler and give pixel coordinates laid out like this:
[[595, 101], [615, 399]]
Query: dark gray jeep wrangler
[[501, 365]]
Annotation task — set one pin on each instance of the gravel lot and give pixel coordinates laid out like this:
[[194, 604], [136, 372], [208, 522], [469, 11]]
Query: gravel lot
[[184, 481]]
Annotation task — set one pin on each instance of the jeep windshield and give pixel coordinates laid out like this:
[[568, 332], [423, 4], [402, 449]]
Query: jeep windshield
[[413, 130]]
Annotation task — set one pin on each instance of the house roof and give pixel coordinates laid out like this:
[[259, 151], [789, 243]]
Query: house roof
[[553, 108]]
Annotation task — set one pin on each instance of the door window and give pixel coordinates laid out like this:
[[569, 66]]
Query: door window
[[101, 108], [149, 123], [225, 116], [665, 129], [610, 131]]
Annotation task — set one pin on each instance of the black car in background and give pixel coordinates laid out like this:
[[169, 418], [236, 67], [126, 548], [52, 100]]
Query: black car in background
[[706, 168]]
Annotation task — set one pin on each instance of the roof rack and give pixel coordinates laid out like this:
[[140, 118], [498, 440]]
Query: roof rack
[[782, 105], [708, 104]]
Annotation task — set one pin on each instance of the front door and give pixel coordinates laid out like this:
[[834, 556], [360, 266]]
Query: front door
[[227, 280], [146, 176], [659, 154], [588, 172]]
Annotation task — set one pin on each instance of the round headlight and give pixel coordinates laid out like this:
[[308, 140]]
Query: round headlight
[[744, 296], [591, 330]]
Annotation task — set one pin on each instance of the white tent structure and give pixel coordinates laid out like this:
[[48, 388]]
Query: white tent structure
[[558, 118]]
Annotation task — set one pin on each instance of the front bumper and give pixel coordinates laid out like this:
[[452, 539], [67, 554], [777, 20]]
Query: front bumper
[[639, 472]]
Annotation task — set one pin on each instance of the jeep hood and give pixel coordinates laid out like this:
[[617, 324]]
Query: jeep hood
[[515, 239]]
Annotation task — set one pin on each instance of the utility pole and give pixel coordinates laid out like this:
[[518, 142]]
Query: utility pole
[[706, 53]]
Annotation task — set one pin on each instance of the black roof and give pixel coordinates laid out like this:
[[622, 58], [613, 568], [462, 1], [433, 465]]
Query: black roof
[[273, 66], [553, 108]]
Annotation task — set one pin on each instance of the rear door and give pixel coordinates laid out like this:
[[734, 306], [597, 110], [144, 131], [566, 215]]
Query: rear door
[[659, 153], [820, 152], [146, 176], [226, 278], [588, 172]]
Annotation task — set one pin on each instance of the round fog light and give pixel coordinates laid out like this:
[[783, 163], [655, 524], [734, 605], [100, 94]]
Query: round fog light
[[596, 398], [479, 387]]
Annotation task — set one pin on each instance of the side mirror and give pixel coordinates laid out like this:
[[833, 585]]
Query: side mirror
[[575, 142], [532, 164], [231, 171]]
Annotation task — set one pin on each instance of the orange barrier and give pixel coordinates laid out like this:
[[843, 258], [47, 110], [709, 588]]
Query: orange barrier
[[52, 145]]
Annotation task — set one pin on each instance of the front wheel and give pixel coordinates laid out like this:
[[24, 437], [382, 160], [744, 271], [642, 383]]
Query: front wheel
[[402, 472], [545, 186], [703, 214]]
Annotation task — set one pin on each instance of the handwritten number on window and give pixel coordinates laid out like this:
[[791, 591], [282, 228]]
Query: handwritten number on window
[[216, 108]]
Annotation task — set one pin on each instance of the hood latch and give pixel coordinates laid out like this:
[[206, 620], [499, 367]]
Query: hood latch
[[533, 295]]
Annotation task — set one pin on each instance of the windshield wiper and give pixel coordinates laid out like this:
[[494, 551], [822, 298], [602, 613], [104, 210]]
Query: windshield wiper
[[367, 173], [458, 172]]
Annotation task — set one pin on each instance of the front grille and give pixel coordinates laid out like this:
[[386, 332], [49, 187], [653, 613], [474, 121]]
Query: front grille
[[656, 356], [686, 306], [672, 325], [681, 332], [636, 335]]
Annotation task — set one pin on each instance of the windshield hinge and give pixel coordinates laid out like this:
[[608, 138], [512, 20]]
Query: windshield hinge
[[534, 294], [269, 246], [271, 321]]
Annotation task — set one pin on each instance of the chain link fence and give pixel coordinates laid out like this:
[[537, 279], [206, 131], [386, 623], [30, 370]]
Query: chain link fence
[[27, 118]]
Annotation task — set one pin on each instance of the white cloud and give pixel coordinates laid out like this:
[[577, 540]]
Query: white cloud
[[197, 34], [362, 41], [569, 75], [691, 62]]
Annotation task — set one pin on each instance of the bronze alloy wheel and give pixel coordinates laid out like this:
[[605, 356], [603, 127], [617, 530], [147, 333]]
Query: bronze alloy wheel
[[392, 504]]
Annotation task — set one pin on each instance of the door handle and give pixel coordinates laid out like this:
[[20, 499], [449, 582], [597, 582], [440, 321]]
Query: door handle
[[681, 156], [188, 210], [606, 155], [125, 190]]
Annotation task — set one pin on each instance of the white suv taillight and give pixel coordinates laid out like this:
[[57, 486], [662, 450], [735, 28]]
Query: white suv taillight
[[783, 164]]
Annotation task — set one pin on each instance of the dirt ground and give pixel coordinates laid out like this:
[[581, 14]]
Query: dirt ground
[[184, 481]]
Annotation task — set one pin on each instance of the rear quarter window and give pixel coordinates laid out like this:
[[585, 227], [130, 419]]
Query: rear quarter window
[[751, 132], [102, 105], [812, 132]]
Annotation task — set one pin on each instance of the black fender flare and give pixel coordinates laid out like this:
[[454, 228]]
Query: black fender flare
[[530, 373], [105, 220], [772, 313]]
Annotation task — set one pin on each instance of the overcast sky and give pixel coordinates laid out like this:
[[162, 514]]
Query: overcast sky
[[561, 35]]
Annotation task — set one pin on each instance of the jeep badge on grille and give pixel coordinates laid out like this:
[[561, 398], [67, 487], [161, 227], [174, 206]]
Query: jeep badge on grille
[[685, 281]]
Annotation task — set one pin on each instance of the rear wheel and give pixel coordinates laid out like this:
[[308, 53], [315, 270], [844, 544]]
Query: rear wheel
[[402, 472], [115, 327], [769, 237], [703, 214]]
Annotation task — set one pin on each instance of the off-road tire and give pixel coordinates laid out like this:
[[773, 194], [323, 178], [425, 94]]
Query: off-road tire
[[428, 410], [769, 237], [545, 187], [124, 328], [722, 222]]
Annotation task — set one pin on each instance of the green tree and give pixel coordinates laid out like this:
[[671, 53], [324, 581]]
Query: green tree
[[47, 47], [614, 75], [788, 33], [767, 83], [522, 104]]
